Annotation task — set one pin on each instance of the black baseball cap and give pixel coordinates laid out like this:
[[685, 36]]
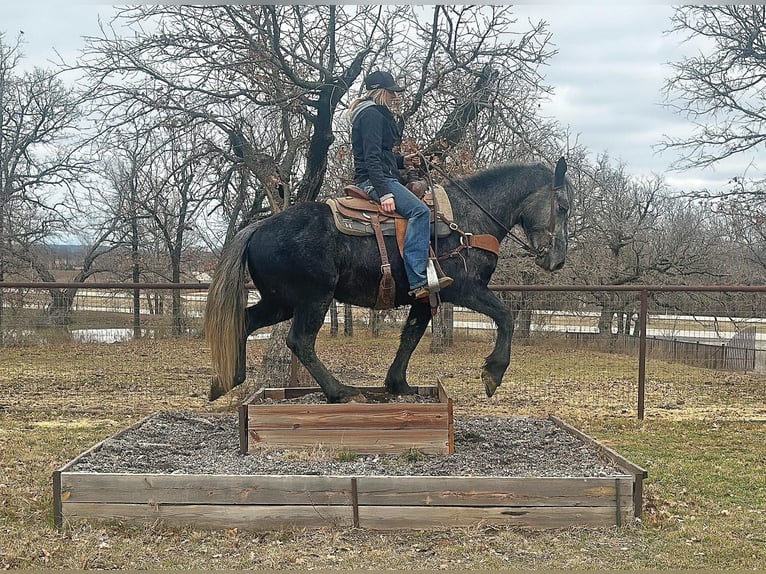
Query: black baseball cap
[[381, 79]]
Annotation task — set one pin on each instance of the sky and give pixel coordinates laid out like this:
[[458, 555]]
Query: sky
[[607, 75]]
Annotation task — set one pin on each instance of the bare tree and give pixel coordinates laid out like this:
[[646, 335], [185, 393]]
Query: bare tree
[[270, 79], [632, 231], [40, 162], [721, 90]]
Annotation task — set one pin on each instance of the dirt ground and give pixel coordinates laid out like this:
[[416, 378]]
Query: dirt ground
[[188, 443]]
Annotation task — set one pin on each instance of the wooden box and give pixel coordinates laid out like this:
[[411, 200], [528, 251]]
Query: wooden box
[[268, 502], [364, 428]]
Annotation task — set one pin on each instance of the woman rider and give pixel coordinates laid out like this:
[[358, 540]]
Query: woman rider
[[374, 132]]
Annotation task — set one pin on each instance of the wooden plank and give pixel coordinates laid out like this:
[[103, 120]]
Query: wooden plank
[[242, 425], [371, 490], [346, 416], [639, 473], [612, 455], [494, 491], [255, 517], [430, 441], [58, 516], [205, 489], [363, 420], [296, 392], [417, 517], [250, 517]]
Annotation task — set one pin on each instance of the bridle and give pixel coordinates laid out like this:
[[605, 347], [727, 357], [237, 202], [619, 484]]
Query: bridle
[[547, 240]]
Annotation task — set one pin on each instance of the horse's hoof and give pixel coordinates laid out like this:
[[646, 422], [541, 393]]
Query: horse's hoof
[[490, 386], [401, 389]]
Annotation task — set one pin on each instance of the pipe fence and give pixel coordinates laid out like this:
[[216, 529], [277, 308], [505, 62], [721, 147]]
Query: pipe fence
[[614, 349]]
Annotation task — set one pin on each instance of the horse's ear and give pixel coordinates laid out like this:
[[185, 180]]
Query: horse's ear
[[561, 169]]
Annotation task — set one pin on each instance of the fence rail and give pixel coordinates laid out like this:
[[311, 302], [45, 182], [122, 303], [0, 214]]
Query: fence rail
[[712, 327]]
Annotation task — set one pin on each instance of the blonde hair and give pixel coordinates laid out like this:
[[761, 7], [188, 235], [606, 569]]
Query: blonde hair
[[377, 96]]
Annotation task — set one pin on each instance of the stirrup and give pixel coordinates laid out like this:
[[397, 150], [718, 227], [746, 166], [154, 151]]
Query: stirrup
[[435, 283]]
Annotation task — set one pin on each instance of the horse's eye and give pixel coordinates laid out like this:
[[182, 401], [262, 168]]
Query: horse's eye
[[563, 209]]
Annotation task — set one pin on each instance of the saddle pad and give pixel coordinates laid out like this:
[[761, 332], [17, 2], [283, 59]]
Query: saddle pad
[[442, 201], [359, 225]]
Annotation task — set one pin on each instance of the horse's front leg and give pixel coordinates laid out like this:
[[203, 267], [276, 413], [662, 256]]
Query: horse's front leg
[[483, 301], [412, 333]]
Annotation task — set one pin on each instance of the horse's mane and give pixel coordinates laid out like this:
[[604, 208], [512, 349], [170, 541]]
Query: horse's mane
[[484, 179]]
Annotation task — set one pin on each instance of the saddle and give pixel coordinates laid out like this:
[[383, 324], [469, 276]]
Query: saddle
[[353, 213], [358, 214]]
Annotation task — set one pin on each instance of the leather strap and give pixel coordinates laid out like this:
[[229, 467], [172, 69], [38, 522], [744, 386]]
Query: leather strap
[[485, 242], [401, 231], [387, 287]]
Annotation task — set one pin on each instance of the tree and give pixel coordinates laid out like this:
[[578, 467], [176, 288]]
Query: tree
[[632, 231], [178, 189], [40, 163], [268, 81], [722, 92]]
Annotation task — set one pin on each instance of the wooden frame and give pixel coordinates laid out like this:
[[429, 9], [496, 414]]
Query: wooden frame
[[267, 502], [364, 428]]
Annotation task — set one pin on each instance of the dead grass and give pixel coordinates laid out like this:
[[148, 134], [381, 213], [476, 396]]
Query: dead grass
[[703, 442]]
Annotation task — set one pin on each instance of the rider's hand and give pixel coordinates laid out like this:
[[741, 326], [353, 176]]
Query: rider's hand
[[388, 205], [412, 160]]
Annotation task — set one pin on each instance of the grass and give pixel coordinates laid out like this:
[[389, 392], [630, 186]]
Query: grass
[[703, 442]]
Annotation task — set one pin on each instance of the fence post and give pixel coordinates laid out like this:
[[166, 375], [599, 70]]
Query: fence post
[[642, 352]]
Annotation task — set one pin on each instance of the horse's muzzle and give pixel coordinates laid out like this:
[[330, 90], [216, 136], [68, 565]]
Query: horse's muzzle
[[550, 261]]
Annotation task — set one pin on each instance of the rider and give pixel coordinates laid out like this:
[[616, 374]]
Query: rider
[[374, 133]]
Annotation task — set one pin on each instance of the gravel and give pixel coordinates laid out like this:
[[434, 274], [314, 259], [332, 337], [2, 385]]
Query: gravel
[[181, 442]]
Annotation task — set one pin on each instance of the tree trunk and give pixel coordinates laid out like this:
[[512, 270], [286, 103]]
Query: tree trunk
[[176, 319], [636, 325], [334, 319], [376, 322], [442, 328], [348, 320], [524, 328], [605, 322], [275, 367], [449, 322]]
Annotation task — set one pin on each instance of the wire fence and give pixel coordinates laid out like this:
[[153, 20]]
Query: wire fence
[[623, 351]]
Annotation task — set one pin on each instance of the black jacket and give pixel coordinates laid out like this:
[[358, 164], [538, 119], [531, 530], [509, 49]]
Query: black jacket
[[374, 133]]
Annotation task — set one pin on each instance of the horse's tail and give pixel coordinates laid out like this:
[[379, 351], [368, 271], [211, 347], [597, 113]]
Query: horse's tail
[[224, 324]]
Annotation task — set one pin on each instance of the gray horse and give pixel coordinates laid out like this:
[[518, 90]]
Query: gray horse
[[300, 262]]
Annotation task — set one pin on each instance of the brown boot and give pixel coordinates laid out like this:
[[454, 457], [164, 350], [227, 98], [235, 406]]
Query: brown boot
[[424, 293]]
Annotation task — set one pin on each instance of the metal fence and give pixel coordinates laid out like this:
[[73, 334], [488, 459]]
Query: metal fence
[[672, 347]]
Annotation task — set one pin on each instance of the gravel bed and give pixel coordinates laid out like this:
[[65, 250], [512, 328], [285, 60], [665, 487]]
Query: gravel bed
[[182, 442]]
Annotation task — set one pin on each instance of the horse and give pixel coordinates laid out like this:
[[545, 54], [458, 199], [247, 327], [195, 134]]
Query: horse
[[299, 262]]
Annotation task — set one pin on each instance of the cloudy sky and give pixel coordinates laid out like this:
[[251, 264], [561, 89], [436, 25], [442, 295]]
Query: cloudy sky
[[607, 75]]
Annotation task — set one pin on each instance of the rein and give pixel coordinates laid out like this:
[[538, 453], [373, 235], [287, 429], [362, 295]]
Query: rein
[[547, 241]]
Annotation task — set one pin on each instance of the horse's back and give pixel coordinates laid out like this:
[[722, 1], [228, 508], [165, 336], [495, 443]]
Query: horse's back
[[294, 249]]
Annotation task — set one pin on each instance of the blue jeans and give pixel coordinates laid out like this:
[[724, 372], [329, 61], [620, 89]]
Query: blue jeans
[[417, 238]]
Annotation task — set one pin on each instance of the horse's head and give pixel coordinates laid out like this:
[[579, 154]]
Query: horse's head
[[544, 217]]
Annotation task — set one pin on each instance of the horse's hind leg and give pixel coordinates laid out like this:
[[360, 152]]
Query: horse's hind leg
[[301, 339], [412, 333], [262, 314]]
